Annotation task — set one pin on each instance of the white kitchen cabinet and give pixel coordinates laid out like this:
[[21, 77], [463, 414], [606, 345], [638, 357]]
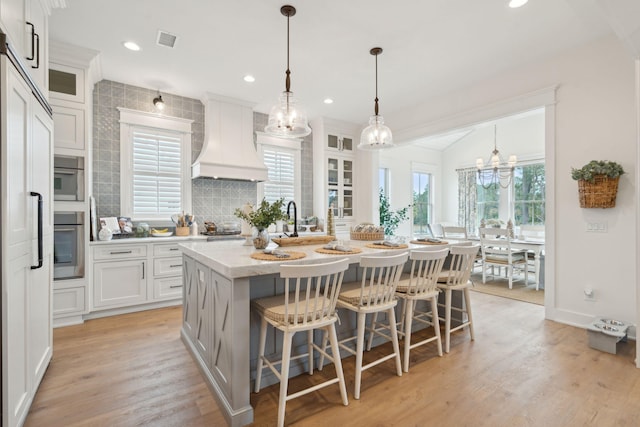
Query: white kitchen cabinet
[[70, 126], [27, 28], [26, 168], [339, 143], [66, 82], [119, 283], [68, 302], [134, 274], [335, 172]]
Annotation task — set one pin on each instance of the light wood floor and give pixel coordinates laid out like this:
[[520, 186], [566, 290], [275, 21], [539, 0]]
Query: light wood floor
[[521, 370]]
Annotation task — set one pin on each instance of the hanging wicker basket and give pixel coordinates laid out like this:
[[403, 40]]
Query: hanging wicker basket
[[601, 193]]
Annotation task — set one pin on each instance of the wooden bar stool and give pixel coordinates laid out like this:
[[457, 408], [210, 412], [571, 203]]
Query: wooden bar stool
[[457, 279], [375, 293], [422, 285], [309, 302]]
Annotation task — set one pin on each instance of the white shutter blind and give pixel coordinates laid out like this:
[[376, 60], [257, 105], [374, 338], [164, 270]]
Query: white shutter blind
[[156, 173], [281, 165]]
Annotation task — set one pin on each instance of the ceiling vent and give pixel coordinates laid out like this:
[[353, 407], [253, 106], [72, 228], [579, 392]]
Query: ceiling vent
[[166, 39]]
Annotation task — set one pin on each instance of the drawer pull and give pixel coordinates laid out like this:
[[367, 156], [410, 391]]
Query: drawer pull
[[174, 249], [175, 265], [175, 286], [120, 252]]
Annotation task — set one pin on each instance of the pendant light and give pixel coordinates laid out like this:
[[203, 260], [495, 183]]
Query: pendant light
[[376, 136], [287, 119]]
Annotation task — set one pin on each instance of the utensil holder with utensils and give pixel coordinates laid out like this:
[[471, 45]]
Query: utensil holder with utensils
[[182, 231]]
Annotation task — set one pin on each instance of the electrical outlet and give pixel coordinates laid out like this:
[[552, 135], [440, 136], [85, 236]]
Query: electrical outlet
[[589, 295], [597, 227]]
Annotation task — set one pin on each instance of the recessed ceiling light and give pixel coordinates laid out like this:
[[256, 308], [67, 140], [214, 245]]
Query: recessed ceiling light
[[131, 46], [328, 101], [517, 3], [249, 78]]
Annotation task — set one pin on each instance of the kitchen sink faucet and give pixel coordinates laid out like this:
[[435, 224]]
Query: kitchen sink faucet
[[295, 218]]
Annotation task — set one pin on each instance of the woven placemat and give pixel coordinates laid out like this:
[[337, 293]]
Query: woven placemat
[[270, 257], [374, 246], [444, 242], [333, 252]]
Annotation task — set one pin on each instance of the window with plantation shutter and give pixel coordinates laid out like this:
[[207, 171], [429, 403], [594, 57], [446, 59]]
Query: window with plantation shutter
[[282, 160], [155, 168], [157, 173]]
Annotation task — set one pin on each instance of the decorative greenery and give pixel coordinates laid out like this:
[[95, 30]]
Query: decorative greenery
[[265, 215], [597, 167], [390, 219]]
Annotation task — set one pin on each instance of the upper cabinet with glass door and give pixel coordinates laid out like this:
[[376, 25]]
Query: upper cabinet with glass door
[[340, 143], [340, 176]]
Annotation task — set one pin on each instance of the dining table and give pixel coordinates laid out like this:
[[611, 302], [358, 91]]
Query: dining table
[[530, 244]]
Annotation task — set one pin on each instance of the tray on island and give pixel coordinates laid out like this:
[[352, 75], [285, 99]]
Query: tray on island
[[304, 240]]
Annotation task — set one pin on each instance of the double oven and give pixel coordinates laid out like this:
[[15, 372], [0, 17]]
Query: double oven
[[68, 231]]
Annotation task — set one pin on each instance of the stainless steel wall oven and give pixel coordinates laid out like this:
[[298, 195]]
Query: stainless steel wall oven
[[68, 178], [68, 245]]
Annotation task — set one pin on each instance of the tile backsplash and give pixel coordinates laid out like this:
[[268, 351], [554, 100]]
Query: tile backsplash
[[211, 199]]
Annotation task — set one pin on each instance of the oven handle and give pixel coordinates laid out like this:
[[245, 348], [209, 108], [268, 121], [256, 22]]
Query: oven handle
[[40, 208], [57, 228]]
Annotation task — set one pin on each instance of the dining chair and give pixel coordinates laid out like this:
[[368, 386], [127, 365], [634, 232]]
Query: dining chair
[[309, 303], [421, 285], [374, 293], [457, 279], [497, 252], [454, 232]]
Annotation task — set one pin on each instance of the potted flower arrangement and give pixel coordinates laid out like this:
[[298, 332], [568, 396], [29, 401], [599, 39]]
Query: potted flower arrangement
[[598, 183], [261, 218]]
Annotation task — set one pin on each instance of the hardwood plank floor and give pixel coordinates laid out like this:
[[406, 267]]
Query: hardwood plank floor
[[521, 370]]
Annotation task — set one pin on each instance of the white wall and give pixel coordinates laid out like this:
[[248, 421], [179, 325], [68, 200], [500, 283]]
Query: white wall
[[594, 119]]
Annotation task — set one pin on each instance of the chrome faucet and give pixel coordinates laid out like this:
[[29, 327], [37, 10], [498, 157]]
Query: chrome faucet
[[295, 218]]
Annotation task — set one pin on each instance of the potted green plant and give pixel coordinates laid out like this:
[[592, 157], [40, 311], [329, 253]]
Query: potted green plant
[[261, 218], [598, 183], [390, 219]]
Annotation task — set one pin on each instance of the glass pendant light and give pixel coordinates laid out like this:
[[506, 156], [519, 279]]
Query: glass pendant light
[[376, 136], [287, 119]]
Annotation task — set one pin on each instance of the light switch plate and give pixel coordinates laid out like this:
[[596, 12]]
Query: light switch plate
[[597, 227]]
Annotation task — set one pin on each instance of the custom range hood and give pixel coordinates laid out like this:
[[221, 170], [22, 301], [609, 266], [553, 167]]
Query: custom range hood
[[228, 151]]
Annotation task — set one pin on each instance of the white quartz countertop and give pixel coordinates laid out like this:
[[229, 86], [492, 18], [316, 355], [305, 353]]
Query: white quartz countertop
[[232, 259]]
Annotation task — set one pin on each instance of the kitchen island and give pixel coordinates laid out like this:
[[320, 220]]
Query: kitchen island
[[218, 327]]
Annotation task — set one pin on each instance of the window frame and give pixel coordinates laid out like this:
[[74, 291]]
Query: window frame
[[289, 145], [417, 169], [132, 120]]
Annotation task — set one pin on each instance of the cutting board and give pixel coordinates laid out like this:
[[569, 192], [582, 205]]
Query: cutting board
[[305, 240]]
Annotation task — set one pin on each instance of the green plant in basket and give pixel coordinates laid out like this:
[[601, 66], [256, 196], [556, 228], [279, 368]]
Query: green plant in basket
[[264, 215], [597, 167]]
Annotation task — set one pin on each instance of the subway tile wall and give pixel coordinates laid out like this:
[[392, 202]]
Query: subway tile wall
[[212, 199]]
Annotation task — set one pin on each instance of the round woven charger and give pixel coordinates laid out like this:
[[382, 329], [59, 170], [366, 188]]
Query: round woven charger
[[444, 242], [332, 252], [374, 246], [270, 257]]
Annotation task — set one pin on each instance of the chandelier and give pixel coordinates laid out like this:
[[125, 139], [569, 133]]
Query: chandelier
[[497, 171], [287, 119], [377, 135]]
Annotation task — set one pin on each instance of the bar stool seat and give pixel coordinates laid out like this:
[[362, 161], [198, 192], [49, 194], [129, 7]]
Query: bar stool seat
[[457, 279], [374, 293], [309, 303]]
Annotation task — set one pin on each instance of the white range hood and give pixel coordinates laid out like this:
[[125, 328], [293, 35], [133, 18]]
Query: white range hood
[[228, 151]]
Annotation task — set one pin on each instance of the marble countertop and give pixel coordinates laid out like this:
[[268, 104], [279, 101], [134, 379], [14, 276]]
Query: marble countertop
[[232, 259]]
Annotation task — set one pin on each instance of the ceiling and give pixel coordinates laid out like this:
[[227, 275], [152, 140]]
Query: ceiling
[[431, 47]]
